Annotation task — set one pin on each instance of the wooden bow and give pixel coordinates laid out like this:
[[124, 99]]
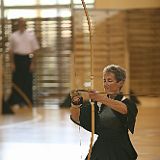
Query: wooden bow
[[92, 80]]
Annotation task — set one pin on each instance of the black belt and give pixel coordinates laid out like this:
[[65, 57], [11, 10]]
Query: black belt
[[23, 55]]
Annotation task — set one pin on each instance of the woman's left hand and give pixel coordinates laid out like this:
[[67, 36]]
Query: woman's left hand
[[95, 96]]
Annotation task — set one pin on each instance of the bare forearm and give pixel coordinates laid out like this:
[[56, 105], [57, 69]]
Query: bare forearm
[[11, 56], [75, 112], [114, 104], [33, 62]]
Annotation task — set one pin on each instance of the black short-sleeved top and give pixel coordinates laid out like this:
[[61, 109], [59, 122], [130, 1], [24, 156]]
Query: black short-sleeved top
[[113, 142]]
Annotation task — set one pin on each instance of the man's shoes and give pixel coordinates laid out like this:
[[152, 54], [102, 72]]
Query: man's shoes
[[8, 112], [6, 108]]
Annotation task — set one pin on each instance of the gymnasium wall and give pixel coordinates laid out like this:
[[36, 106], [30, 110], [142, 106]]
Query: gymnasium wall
[[126, 4]]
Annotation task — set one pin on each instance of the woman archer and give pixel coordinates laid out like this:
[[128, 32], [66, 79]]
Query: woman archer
[[115, 115]]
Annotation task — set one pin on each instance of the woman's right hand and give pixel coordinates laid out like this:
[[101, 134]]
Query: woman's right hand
[[76, 98]]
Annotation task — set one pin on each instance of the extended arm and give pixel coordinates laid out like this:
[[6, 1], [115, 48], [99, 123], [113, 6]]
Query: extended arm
[[114, 104]]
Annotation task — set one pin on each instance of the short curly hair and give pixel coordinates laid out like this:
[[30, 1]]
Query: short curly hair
[[119, 72]]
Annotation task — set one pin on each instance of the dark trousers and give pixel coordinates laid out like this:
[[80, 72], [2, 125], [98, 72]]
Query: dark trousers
[[22, 77]]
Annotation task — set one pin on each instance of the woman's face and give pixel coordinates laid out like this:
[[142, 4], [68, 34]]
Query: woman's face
[[111, 86]]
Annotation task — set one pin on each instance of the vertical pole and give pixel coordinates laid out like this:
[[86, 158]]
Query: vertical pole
[[1, 54], [127, 55]]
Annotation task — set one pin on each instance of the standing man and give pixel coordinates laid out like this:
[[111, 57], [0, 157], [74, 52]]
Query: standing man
[[22, 46]]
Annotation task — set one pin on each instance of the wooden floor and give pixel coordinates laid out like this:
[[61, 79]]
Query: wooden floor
[[49, 134]]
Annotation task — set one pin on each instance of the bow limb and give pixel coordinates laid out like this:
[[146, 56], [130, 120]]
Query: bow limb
[[92, 81]]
